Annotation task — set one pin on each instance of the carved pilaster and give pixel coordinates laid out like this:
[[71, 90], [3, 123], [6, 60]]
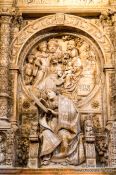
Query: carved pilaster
[[4, 63], [112, 146], [114, 75]]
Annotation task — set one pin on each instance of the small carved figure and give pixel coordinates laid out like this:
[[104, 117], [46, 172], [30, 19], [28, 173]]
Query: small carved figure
[[55, 51], [69, 74], [89, 127], [42, 62], [29, 70], [102, 150], [74, 66], [61, 129]]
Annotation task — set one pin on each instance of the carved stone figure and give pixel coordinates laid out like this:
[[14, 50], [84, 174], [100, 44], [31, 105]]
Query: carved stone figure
[[29, 69], [74, 66], [56, 69], [61, 131], [41, 62]]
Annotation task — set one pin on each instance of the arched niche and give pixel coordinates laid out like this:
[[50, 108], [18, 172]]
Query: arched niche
[[59, 21], [59, 25]]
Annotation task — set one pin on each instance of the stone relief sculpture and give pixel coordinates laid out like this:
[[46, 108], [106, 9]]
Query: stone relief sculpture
[[61, 134], [54, 74], [62, 61]]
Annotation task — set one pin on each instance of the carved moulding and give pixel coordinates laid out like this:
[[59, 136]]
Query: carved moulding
[[62, 20]]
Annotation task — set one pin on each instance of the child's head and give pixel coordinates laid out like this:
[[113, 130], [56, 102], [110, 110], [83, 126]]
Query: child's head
[[30, 58], [71, 44], [74, 53], [43, 46]]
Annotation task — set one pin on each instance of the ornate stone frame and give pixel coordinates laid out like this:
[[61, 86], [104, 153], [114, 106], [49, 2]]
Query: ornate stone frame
[[58, 20]]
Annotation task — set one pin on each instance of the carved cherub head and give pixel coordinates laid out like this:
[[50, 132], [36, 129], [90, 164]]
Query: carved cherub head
[[42, 46], [30, 58], [71, 44], [74, 53], [86, 47], [59, 70], [52, 45]]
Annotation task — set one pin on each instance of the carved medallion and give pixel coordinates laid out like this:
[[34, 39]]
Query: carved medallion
[[66, 64]]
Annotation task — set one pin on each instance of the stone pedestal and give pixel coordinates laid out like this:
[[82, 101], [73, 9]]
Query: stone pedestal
[[33, 153]]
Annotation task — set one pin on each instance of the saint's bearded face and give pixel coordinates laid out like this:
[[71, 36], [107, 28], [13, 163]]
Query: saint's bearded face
[[51, 94]]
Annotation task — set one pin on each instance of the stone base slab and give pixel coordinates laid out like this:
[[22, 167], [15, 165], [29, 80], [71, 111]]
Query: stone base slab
[[19, 171]]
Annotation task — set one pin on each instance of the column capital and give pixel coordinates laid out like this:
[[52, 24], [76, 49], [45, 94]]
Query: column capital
[[7, 7], [5, 19]]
